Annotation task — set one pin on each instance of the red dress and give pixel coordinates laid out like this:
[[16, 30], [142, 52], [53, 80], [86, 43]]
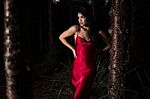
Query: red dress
[[83, 68]]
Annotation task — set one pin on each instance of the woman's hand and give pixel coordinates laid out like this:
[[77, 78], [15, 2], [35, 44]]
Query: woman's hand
[[69, 32], [106, 38], [74, 53]]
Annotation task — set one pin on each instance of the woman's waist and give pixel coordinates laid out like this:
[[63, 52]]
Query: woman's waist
[[85, 59]]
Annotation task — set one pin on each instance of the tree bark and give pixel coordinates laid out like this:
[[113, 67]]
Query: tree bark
[[115, 77], [9, 50], [52, 49]]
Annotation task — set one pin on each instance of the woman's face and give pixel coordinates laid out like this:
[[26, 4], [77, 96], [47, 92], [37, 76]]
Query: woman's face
[[82, 19]]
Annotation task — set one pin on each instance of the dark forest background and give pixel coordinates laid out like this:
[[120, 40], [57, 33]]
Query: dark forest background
[[37, 53]]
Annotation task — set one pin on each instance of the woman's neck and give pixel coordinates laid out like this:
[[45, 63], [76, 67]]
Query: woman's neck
[[85, 27]]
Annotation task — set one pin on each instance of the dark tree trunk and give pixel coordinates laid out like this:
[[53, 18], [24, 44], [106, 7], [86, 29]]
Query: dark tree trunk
[[115, 77], [51, 56], [51, 41], [9, 50]]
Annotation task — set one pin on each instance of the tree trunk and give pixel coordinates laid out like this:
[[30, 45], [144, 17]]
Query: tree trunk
[[9, 51], [115, 77], [52, 49]]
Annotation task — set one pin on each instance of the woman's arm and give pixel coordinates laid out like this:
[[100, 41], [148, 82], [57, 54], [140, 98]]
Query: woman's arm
[[106, 39], [69, 32]]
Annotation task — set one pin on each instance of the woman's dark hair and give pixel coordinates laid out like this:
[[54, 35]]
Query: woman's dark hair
[[86, 11]]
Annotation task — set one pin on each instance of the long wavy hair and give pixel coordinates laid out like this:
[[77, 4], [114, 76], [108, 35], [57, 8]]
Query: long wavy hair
[[86, 11]]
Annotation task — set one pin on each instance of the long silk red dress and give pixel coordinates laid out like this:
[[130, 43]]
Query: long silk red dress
[[83, 68]]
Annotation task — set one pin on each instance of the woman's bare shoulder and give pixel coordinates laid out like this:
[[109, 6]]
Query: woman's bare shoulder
[[75, 27]]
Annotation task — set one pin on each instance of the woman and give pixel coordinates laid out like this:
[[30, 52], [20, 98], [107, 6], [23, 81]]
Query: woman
[[83, 67]]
